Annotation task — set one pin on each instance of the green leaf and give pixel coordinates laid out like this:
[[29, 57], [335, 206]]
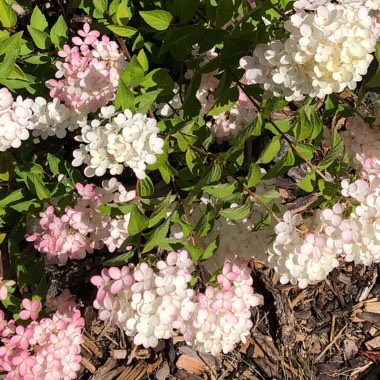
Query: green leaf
[[13, 197], [8, 17], [254, 175], [38, 20], [236, 213], [124, 96], [220, 191], [332, 156], [101, 5], [224, 12], [123, 31], [146, 187], [281, 166], [143, 60], [137, 222], [225, 102], [40, 38], [123, 14], [184, 9], [120, 260], [159, 19], [307, 184], [158, 234], [133, 73], [328, 189], [270, 151], [210, 249], [31, 175], [59, 32], [206, 223]]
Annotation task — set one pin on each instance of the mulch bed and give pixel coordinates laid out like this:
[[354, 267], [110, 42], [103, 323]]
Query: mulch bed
[[327, 331]]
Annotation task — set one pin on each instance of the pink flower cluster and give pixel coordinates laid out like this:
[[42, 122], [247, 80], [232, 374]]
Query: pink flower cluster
[[83, 228], [15, 120], [44, 350], [89, 76], [151, 305]]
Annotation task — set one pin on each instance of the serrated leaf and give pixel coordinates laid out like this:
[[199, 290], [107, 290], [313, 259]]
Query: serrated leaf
[[332, 156], [236, 213], [254, 175], [158, 234], [59, 32], [101, 5], [138, 221], [123, 31], [220, 191], [40, 38], [146, 187], [308, 182], [133, 73], [270, 151], [38, 20], [158, 19], [8, 17], [210, 249]]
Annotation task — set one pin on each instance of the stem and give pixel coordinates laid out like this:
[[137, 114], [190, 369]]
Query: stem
[[283, 135]]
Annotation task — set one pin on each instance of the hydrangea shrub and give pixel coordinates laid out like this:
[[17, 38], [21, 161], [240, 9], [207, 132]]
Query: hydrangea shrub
[[170, 142]]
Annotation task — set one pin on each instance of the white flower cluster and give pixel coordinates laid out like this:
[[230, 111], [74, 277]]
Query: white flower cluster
[[147, 305], [54, 118], [328, 50], [306, 253], [150, 306], [118, 140], [15, 120]]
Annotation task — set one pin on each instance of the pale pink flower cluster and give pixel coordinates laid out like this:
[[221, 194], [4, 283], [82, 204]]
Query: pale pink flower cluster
[[363, 143], [117, 140], [83, 228], [151, 305], [88, 77], [329, 49], [299, 256], [222, 316], [48, 349], [15, 120]]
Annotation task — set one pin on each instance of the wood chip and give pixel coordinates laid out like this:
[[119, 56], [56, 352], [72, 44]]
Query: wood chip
[[91, 346], [87, 364], [372, 307], [190, 364], [163, 372], [119, 354], [133, 372], [373, 343]]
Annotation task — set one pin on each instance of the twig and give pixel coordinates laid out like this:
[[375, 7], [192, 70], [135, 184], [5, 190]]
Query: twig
[[337, 336]]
